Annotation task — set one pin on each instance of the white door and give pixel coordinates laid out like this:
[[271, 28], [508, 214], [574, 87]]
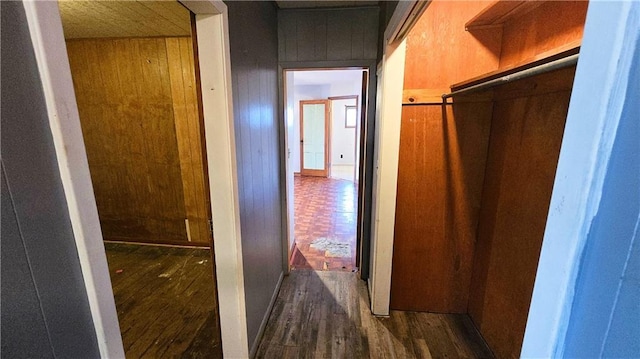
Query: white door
[[314, 137]]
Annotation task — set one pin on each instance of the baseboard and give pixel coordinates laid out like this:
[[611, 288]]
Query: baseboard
[[185, 245], [263, 325]]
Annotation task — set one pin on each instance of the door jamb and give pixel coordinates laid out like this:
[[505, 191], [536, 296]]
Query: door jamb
[[366, 155], [45, 27]]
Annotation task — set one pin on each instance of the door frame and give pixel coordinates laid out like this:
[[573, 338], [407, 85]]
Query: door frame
[[327, 139], [366, 156], [45, 27]]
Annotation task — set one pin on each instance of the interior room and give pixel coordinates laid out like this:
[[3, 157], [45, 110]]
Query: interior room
[[492, 210], [136, 79], [324, 108]]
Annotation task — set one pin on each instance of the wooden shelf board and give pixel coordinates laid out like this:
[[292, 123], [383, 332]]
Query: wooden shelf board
[[545, 57], [499, 12]]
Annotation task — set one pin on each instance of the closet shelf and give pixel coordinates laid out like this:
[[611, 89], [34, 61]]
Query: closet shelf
[[499, 12], [541, 59]]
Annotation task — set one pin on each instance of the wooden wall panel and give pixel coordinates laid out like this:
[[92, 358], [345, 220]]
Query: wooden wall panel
[[328, 35], [526, 135], [253, 38], [442, 157], [549, 28], [187, 123], [441, 53], [126, 104], [114, 19]]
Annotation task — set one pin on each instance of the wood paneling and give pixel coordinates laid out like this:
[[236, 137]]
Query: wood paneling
[[440, 52], [254, 69], [99, 19], [440, 174], [187, 123], [550, 26], [127, 106], [327, 315], [328, 35], [498, 12], [526, 134]]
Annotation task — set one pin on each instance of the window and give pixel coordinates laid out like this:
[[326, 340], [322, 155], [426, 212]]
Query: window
[[351, 117]]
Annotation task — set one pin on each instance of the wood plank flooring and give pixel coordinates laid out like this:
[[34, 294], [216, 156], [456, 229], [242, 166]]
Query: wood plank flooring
[[326, 315], [325, 224], [165, 297]]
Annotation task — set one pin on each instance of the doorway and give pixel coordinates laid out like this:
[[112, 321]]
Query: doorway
[[324, 117], [140, 110]]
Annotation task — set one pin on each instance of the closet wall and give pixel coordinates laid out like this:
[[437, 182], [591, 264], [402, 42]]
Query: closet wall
[[475, 175], [140, 120]]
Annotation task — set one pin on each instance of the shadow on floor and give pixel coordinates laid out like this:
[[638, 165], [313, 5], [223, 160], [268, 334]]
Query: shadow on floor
[[326, 315]]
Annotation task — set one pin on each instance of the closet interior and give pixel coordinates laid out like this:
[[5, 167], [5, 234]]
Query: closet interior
[[477, 166]]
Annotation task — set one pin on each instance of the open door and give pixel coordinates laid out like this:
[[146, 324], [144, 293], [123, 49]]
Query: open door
[[314, 138]]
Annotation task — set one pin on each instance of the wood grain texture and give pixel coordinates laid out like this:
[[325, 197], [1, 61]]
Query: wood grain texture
[[254, 69], [188, 132], [440, 174], [328, 35], [165, 297], [126, 102], [526, 135], [498, 12], [113, 19], [326, 315], [439, 51], [549, 26]]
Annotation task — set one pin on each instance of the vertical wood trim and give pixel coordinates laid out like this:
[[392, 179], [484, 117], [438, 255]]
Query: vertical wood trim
[[187, 124], [386, 176], [214, 59]]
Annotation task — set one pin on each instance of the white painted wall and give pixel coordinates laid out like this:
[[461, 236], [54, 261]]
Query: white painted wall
[[320, 85], [291, 143], [343, 140]]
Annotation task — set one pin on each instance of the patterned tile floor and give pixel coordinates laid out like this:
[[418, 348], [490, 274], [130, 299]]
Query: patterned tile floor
[[325, 224]]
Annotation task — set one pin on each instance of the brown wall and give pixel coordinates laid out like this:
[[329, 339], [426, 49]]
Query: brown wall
[[526, 134], [138, 110], [475, 175]]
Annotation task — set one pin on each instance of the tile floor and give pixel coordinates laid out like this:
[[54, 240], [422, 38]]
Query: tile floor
[[325, 224]]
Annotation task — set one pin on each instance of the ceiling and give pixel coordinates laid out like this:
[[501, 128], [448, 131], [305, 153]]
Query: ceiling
[[293, 4], [326, 77], [96, 19]]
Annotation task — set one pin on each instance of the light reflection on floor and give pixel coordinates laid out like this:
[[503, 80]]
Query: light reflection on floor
[[325, 211]]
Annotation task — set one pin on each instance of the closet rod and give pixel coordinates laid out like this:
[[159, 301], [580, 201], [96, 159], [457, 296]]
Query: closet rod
[[540, 69]]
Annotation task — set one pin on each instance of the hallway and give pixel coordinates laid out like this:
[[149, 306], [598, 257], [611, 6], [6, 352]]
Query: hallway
[[325, 224], [326, 315]]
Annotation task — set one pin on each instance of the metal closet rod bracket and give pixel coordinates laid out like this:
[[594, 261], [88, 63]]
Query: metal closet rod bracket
[[536, 70]]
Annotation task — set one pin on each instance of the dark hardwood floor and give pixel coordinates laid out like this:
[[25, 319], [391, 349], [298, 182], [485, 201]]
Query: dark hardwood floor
[[326, 315], [166, 302]]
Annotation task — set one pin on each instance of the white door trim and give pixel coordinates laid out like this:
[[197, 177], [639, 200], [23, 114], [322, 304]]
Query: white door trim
[[385, 176], [48, 41]]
